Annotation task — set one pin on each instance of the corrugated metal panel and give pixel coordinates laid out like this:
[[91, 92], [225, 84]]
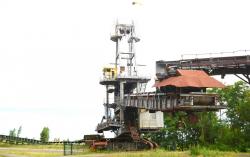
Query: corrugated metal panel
[[151, 120], [191, 78]]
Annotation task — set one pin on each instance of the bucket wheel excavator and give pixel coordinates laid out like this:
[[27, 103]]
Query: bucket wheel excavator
[[130, 111]]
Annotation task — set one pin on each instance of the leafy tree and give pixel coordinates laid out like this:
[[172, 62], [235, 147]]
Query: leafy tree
[[12, 133], [237, 97], [173, 135], [44, 135], [232, 132], [19, 131]]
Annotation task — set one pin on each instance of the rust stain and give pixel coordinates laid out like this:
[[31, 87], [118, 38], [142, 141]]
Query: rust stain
[[191, 78]]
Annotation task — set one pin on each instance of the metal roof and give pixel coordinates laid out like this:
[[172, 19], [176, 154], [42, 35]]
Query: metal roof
[[190, 78]]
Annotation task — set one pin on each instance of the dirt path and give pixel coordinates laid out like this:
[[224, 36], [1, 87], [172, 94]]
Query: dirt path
[[90, 155], [11, 155], [31, 150]]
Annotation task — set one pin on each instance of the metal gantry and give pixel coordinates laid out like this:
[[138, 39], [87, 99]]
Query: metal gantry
[[235, 65], [120, 80]]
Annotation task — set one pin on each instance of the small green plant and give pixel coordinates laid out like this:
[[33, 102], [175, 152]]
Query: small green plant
[[195, 151]]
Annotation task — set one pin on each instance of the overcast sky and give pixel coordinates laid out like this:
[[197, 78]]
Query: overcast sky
[[52, 53]]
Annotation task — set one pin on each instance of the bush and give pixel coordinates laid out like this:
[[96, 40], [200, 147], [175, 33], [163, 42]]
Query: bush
[[202, 151], [195, 151]]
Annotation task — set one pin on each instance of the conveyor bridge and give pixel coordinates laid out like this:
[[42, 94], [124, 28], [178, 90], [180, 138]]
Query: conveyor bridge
[[235, 65]]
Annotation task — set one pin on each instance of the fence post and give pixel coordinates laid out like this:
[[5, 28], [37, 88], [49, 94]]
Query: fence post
[[64, 153], [71, 148], [67, 148]]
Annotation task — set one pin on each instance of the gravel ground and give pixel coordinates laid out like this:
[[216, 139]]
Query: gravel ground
[[31, 150], [11, 155]]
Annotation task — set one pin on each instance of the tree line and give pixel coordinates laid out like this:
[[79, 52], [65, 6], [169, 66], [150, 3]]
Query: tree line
[[228, 130], [44, 135]]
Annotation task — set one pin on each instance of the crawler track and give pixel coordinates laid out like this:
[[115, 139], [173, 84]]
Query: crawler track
[[123, 143]]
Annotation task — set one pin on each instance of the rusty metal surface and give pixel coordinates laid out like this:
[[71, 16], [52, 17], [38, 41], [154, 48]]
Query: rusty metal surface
[[213, 62], [213, 66], [173, 102], [191, 78], [105, 126]]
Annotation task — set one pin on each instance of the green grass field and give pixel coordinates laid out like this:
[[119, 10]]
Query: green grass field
[[57, 151]]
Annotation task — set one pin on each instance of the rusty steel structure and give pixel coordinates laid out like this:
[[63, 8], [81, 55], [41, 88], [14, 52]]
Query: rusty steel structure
[[130, 111], [235, 65], [122, 80]]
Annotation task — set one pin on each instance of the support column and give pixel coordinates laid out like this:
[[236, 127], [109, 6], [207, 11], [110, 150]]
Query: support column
[[138, 87], [121, 101], [117, 54], [107, 102], [246, 79]]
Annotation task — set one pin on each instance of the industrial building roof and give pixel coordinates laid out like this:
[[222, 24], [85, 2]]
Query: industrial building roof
[[190, 78]]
